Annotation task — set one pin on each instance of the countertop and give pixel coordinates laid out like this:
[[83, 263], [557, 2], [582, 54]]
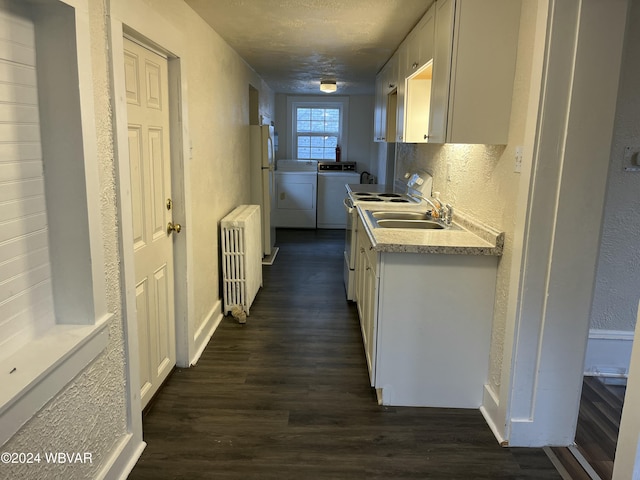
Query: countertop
[[469, 237]]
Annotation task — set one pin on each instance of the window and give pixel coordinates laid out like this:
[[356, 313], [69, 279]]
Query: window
[[317, 132], [317, 127]]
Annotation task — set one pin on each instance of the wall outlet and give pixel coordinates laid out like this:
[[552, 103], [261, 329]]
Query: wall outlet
[[518, 160]]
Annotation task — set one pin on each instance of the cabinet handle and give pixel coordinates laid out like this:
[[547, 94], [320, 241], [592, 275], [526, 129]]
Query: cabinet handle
[[361, 249], [383, 139], [368, 268], [426, 136], [415, 65], [371, 247], [391, 85]]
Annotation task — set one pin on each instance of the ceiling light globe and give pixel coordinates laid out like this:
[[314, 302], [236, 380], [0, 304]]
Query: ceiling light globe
[[328, 86]]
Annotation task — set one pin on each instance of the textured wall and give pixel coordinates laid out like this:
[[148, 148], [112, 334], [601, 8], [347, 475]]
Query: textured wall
[[89, 415], [617, 289], [483, 183], [218, 88]]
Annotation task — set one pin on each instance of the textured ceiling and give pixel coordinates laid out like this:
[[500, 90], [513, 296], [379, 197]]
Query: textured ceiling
[[293, 44]]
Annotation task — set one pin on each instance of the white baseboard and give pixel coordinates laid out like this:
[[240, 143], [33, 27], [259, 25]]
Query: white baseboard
[[608, 353], [122, 460], [206, 331], [489, 410]]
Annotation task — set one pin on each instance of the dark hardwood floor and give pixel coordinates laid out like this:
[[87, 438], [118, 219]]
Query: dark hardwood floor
[[597, 430], [599, 424], [286, 396]]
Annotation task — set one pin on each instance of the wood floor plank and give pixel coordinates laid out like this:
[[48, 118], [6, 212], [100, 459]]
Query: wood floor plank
[[599, 424], [287, 396]]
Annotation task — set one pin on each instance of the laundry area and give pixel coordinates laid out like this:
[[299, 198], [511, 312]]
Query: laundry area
[[310, 193]]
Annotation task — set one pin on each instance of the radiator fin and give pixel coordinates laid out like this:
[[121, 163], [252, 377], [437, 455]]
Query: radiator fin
[[241, 257]]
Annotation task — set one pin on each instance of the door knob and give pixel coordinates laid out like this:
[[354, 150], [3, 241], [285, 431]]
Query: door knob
[[171, 227]]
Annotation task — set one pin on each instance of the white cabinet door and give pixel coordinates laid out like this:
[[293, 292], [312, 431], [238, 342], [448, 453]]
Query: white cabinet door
[[413, 54], [420, 43], [367, 297], [473, 70], [385, 102], [370, 319], [402, 75], [443, 44], [418, 85], [360, 265], [378, 106], [391, 98], [425, 37]]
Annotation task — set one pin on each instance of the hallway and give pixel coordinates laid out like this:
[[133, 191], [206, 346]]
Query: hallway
[[287, 396]]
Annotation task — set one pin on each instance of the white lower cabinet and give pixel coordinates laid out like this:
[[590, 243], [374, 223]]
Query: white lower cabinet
[[426, 325], [367, 296]]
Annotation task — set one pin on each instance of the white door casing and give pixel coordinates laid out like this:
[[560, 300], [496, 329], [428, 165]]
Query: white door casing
[[146, 78]]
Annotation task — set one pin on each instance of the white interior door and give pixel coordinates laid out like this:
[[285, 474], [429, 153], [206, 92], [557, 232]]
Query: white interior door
[[146, 81]]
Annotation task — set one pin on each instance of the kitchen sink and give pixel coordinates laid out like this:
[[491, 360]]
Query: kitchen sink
[[417, 224], [407, 220], [401, 215]]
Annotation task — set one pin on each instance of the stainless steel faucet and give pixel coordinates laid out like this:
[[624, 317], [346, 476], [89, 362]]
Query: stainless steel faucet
[[443, 212]]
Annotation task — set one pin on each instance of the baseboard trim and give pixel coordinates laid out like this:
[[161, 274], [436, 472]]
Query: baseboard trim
[[489, 410], [122, 460], [206, 331], [608, 353], [496, 433]]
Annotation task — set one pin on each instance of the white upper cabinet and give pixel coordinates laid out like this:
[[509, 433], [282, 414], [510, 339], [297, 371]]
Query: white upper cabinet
[[378, 133], [456, 71], [473, 70], [385, 110], [420, 45], [415, 52], [401, 55]]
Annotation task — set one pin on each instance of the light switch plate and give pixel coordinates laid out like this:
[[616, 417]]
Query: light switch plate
[[518, 160]]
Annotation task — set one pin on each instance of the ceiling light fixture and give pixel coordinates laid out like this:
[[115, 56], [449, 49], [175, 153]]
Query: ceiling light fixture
[[328, 86]]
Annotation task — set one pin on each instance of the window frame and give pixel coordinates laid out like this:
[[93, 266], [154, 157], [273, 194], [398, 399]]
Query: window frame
[[311, 134], [340, 103]]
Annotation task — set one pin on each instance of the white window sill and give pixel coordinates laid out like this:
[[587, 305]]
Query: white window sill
[[36, 373]]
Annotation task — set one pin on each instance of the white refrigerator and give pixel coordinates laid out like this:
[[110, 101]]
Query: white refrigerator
[[263, 180]]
